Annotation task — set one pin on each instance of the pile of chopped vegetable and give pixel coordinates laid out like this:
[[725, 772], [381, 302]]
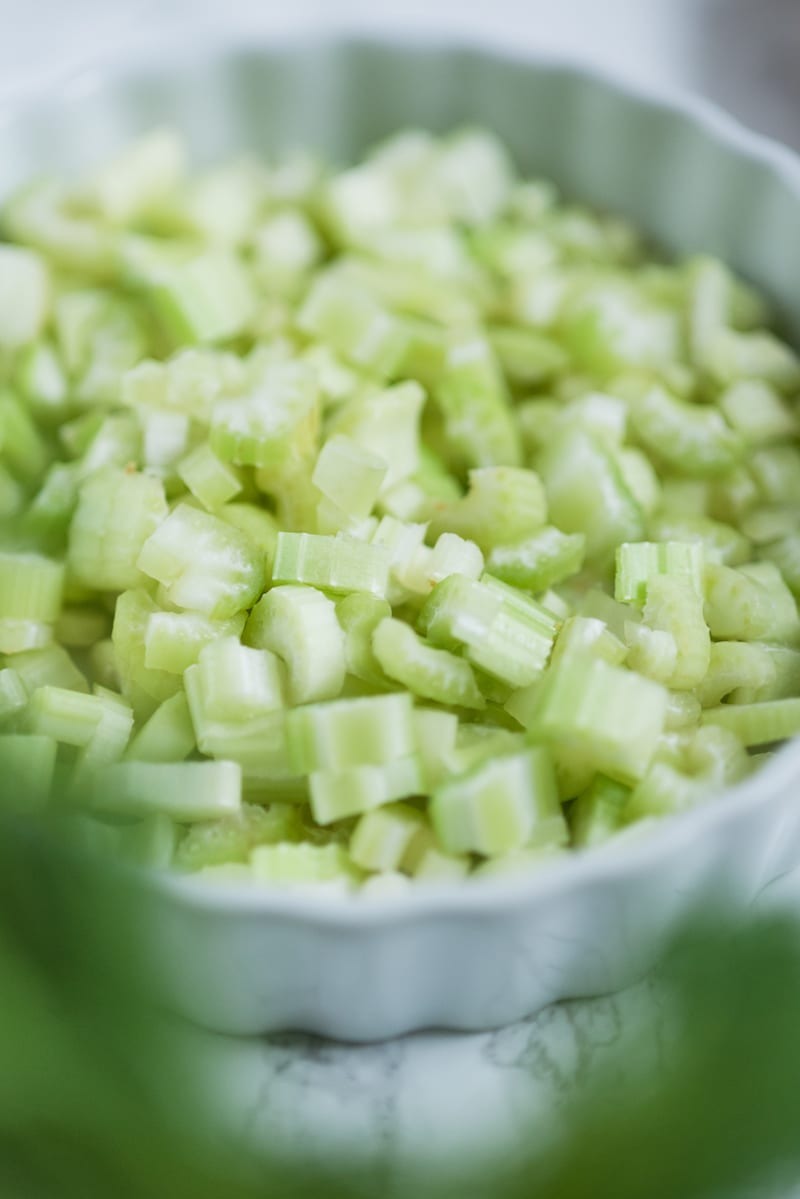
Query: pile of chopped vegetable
[[401, 522]]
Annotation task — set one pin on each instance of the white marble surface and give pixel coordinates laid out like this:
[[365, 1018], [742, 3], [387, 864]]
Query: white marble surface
[[405, 1106]]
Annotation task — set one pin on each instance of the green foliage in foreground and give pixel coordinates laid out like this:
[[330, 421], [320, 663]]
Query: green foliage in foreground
[[91, 1103]]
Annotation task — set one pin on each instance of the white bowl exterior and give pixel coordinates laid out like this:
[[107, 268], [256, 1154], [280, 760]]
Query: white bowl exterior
[[476, 955]]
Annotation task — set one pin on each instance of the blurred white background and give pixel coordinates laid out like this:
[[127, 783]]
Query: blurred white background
[[743, 53]]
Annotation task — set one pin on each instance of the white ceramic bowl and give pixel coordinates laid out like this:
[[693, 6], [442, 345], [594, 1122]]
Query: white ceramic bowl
[[466, 956]]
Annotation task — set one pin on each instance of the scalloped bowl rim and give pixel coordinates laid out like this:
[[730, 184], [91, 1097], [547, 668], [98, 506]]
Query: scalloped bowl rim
[[639, 848]]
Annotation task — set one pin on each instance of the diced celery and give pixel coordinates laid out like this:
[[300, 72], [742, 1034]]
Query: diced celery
[[749, 604], [614, 716], [692, 439], [233, 838], [210, 298], [776, 472], [144, 686], [734, 665], [758, 724], [287, 865], [539, 562], [349, 475], [116, 514], [473, 399], [639, 563], [337, 564], [503, 506], [354, 790], [22, 447], [300, 625], [354, 324], [346, 733], [651, 652], [168, 736], [758, 412], [24, 296], [359, 614], [141, 175], [430, 673], [31, 588], [381, 839], [721, 543], [386, 423], [274, 426], [205, 564], [72, 718], [674, 606], [173, 640], [186, 791], [232, 683], [211, 481], [13, 694], [599, 812], [435, 738], [51, 666], [527, 357], [503, 805]]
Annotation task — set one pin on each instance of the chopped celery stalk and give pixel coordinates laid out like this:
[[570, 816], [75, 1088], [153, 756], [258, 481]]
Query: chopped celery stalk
[[205, 564], [451, 555], [50, 666], [185, 791], [332, 737], [386, 423], [716, 753], [639, 563], [587, 493], [349, 475], [300, 625], [430, 673], [758, 412], [776, 473], [503, 506], [27, 764], [721, 543], [651, 652], [233, 683], [539, 562], [587, 635], [683, 711], [749, 604], [435, 738], [38, 216], [431, 865], [273, 426], [691, 439], [173, 640], [353, 323], [338, 794], [168, 736], [288, 865], [733, 356], [258, 746], [615, 716], [16, 636], [382, 837], [13, 694], [758, 724], [144, 686], [23, 449], [673, 606], [527, 357], [233, 838], [117, 512], [150, 842], [31, 588], [784, 684], [337, 564], [209, 298], [599, 812], [504, 804], [359, 614], [126, 188], [517, 862], [72, 718], [211, 481], [734, 665], [473, 399], [477, 743], [24, 296], [664, 791]]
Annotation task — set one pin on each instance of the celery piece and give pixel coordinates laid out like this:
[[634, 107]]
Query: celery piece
[[210, 480], [664, 791], [721, 542], [758, 724], [31, 587], [776, 472], [615, 716], [683, 711], [72, 718], [638, 563], [332, 737], [404, 542], [717, 755], [598, 813], [673, 606], [185, 791], [734, 665], [472, 397], [205, 564], [338, 564], [300, 625], [504, 804], [691, 439], [785, 555], [435, 739], [27, 765], [286, 248], [49, 666], [527, 357], [13, 694], [173, 641], [586, 493], [274, 426], [595, 412], [640, 478], [287, 865], [351, 321], [733, 355], [24, 296], [387, 424], [168, 736], [473, 176], [145, 687], [116, 514], [503, 506], [349, 475], [100, 335], [210, 298], [354, 790], [359, 614], [233, 683], [382, 836], [258, 747], [149, 843], [758, 412], [430, 673], [539, 562], [17, 636], [749, 604], [587, 635], [517, 862], [23, 449], [478, 743], [608, 326], [38, 216], [233, 838], [770, 524], [133, 182], [651, 652]]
